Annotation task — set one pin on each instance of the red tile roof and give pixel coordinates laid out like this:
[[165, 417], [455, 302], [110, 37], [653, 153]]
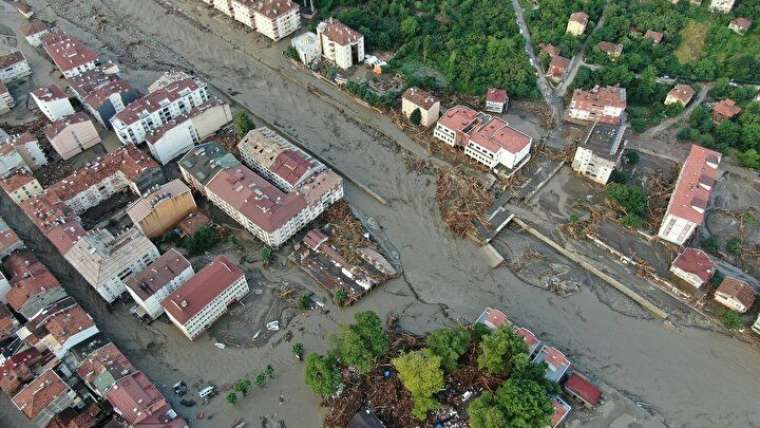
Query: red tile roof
[[697, 262], [66, 51], [290, 166], [8, 239], [611, 96], [420, 98], [694, 184], [655, 36], [193, 223], [497, 134], [40, 393], [137, 400], [10, 59], [274, 9], [34, 26], [494, 317], [60, 125], [555, 358], [68, 322], [561, 410], [530, 339], [158, 274], [49, 93], [339, 32], [458, 118], [28, 277], [201, 289], [558, 66], [155, 101], [16, 180], [100, 95], [610, 48], [257, 199], [17, 369], [738, 290], [107, 358], [549, 49], [727, 108], [742, 23], [579, 385], [314, 238], [496, 95], [580, 17], [682, 92]]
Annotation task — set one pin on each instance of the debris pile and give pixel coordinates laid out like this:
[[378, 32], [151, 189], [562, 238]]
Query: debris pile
[[461, 200], [346, 232], [658, 192]]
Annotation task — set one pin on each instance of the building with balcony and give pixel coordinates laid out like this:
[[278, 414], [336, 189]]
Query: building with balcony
[[151, 286], [162, 209], [340, 43]]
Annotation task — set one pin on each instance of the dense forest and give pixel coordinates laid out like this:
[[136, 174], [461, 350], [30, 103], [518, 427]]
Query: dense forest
[[696, 44], [548, 21], [447, 45]]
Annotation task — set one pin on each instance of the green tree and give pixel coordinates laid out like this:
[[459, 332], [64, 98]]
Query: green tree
[[321, 374], [269, 371], [304, 302], [341, 296], [242, 123], [734, 246], [632, 199], [750, 158], [416, 117], [449, 344], [232, 398], [261, 380], [298, 350], [203, 240], [484, 413], [525, 403], [420, 372], [728, 133], [362, 343], [243, 386], [711, 245], [498, 349], [731, 320], [409, 26]]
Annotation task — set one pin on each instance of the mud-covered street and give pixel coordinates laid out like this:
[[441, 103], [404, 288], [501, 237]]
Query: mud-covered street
[[653, 373]]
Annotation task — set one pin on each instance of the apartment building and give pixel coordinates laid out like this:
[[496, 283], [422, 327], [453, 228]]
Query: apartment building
[[276, 18], [34, 31], [72, 135], [224, 6], [101, 368], [179, 135], [28, 148], [691, 196], [139, 403], [203, 299], [151, 286], [53, 102], [152, 111], [11, 160], [202, 163], [308, 47], [9, 242], [45, 397], [59, 328], [69, 54], [20, 186], [600, 104], [33, 287], [600, 153], [14, 66], [6, 99], [107, 261], [162, 209], [453, 126], [109, 98], [496, 100], [340, 43], [428, 105]]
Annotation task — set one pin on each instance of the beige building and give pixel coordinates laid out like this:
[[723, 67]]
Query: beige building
[[72, 135], [21, 186], [681, 94], [735, 294], [340, 43], [224, 6], [429, 106], [600, 152], [161, 210], [272, 18], [577, 24]]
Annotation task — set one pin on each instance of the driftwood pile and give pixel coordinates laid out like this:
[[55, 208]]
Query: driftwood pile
[[346, 232], [461, 199]]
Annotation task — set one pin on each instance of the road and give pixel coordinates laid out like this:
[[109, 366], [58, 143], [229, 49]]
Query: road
[[667, 123], [671, 370]]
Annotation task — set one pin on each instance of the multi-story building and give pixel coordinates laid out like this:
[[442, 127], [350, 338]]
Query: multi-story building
[[28, 148], [45, 397], [14, 66], [34, 31], [139, 403], [600, 104], [69, 54], [276, 18], [340, 43], [162, 209], [496, 100], [72, 135], [179, 135], [53, 102], [9, 242], [224, 6], [454, 125], [202, 163], [308, 47], [150, 287], [205, 297], [242, 11], [600, 152], [24, 9], [691, 196], [102, 93], [722, 6], [735, 294], [577, 23], [6, 99], [59, 328], [157, 108], [107, 262], [11, 160], [693, 266], [20, 186], [33, 287], [103, 367], [429, 106]]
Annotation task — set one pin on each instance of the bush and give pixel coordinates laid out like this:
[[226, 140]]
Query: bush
[[416, 117], [266, 255], [498, 349], [631, 156], [731, 320], [204, 240], [360, 345], [711, 245], [243, 123], [734, 246], [449, 344], [341, 296], [631, 198]]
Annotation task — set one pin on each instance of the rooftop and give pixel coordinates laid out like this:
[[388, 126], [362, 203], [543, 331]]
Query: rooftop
[[49, 93], [496, 135], [104, 366], [158, 274], [103, 92], [193, 223], [35, 26], [605, 140], [157, 100], [727, 108], [66, 51], [682, 92], [742, 23], [278, 155], [204, 161], [9, 59], [137, 400], [580, 17], [580, 386], [40, 393], [612, 96], [68, 322], [338, 32], [16, 180], [145, 205], [496, 95], [610, 48], [493, 318], [694, 186], [459, 118], [274, 9], [558, 65], [697, 262], [738, 290], [189, 299], [29, 277], [655, 36], [54, 129], [420, 98]]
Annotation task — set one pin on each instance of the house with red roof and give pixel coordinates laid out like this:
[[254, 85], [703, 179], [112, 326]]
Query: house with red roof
[[19, 369], [531, 341], [139, 403], [44, 397], [681, 94], [20, 186], [654, 36], [693, 266], [53, 102], [600, 104], [493, 319], [191, 224], [340, 43], [725, 109], [33, 287], [613, 50], [59, 327], [691, 195], [34, 31], [454, 125], [204, 298], [735, 294], [557, 363], [557, 67], [579, 387], [24, 9], [561, 411], [273, 18], [69, 54], [496, 100]]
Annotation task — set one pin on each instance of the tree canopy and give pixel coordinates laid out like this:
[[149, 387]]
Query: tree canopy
[[449, 344], [321, 374], [498, 350], [361, 344], [420, 372]]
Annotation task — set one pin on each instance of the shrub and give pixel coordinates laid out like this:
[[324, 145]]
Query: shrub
[[731, 320]]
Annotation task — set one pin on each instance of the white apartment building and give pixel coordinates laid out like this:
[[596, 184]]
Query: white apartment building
[[454, 125], [53, 102], [722, 6], [154, 110], [600, 152], [223, 6], [14, 66], [28, 148], [429, 106], [205, 297], [308, 47], [276, 18], [178, 136], [34, 31], [340, 43], [11, 160], [242, 11], [107, 262], [691, 196], [151, 286], [600, 104]]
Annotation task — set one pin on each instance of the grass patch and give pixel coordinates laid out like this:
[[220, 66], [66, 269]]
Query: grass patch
[[692, 41]]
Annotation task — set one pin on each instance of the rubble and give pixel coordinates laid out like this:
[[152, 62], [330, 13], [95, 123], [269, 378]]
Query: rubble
[[461, 199]]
